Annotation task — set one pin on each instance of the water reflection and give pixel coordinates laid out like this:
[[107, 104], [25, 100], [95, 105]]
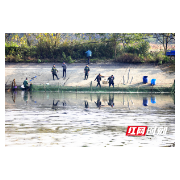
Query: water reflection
[[14, 94], [55, 105], [153, 99], [111, 100], [80, 119], [98, 103], [105, 100], [86, 104], [145, 101]]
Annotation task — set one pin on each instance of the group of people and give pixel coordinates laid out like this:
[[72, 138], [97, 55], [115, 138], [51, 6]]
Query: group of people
[[110, 79], [86, 71], [54, 71], [98, 77]]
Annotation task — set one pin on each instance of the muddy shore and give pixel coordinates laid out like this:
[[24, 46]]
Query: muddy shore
[[126, 75]]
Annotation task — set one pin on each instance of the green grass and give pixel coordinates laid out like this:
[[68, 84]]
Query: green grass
[[128, 89]]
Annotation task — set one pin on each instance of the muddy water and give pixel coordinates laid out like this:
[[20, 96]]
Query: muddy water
[[85, 120]]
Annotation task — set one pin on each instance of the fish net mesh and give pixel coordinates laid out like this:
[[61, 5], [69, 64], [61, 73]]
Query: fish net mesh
[[90, 88]]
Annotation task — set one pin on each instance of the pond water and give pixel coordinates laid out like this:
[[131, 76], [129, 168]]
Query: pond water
[[43, 119]]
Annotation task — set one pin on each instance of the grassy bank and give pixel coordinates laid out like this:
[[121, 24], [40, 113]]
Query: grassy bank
[[127, 89], [124, 89]]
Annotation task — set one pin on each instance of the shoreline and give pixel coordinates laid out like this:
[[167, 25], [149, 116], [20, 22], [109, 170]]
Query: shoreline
[[127, 89], [128, 77]]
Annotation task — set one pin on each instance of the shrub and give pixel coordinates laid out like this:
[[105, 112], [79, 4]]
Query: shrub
[[39, 60], [64, 56], [143, 48], [150, 57], [69, 59], [166, 59], [131, 49], [142, 58], [160, 62], [140, 48], [13, 58], [159, 57], [10, 58], [128, 58]]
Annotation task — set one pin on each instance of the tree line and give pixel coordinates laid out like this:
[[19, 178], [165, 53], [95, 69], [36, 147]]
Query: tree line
[[58, 47]]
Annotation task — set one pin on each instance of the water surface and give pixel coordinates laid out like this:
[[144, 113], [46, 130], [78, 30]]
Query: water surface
[[85, 120]]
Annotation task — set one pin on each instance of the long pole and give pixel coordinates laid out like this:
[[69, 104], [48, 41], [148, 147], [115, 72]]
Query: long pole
[[131, 80]]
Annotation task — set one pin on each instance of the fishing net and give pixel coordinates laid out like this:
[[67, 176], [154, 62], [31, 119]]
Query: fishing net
[[118, 88]]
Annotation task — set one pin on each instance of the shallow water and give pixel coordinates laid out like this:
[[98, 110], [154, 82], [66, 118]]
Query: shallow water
[[84, 120]]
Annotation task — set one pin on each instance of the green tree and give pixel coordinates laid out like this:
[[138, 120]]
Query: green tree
[[125, 38]]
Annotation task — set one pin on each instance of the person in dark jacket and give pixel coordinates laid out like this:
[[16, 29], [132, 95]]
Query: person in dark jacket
[[64, 69], [25, 83], [54, 70], [111, 80], [98, 80], [86, 71]]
